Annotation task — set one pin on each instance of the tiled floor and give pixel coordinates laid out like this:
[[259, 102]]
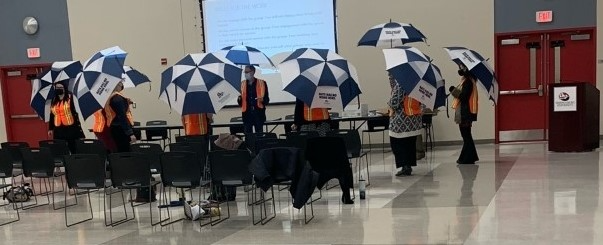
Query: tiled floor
[[516, 194]]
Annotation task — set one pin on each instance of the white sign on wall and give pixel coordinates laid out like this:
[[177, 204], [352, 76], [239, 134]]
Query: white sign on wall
[[565, 99]]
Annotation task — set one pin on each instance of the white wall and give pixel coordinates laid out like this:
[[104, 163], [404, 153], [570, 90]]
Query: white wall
[[445, 23], [154, 29]]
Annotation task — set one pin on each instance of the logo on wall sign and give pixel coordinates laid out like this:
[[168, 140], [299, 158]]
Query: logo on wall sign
[[563, 96]]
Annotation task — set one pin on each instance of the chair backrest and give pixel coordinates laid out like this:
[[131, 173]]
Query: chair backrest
[[251, 138], [200, 149], [351, 137], [180, 169], [6, 164], [327, 154], [156, 134], [91, 146], [191, 138], [14, 148], [151, 151], [129, 169], [380, 123], [299, 138], [237, 129], [262, 144], [230, 167], [86, 171], [37, 162], [283, 162], [58, 148]]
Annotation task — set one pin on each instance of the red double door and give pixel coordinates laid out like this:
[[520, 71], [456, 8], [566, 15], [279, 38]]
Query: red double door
[[526, 64], [22, 122]]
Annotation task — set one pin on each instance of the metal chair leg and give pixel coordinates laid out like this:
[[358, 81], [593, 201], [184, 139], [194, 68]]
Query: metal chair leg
[[81, 221]]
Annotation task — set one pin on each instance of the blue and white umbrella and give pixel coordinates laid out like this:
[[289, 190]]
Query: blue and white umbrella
[[414, 72], [114, 51], [320, 78], [43, 89], [200, 83], [245, 55], [440, 85], [478, 66], [133, 77], [391, 34], [95, 84]]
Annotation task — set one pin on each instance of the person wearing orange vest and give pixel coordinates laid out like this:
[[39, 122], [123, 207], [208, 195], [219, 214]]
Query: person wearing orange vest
[[64, 123], [405, 124], [465, 105], [253, 101], [120, 125], [311, 119], [197, 124], [102, 131]]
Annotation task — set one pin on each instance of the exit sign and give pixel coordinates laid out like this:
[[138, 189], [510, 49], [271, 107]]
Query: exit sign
[[33, 53], [544, 16]]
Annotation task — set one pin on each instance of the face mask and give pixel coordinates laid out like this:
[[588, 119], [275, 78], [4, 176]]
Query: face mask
[[60, 91], [248, 76], [461, 72]]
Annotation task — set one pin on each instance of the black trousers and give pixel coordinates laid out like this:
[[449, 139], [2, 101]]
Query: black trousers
[[68, 134], [122, 141], [405, 151], [468, 153], [345, 178]]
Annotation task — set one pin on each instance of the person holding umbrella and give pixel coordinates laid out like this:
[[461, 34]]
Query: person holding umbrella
[[64, 123], [253, 100], [119, 119], [311, 119], [465, 105], [197, 124], [405, 125]]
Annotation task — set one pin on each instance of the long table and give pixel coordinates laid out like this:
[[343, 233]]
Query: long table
[[274, 123]]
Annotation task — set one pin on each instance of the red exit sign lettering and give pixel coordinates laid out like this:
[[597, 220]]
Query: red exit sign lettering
[[544, 16], [33, 53]]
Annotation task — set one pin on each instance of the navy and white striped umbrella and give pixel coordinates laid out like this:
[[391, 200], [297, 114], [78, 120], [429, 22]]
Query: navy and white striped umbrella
[[96, 83], [391, 34], [245, 55], [320, 78], [200, 83], [133, 77], [42, 87], [478, 66], [114, 51], [414, 72]]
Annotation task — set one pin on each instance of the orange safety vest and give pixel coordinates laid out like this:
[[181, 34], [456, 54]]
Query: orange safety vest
[[99, 122], [472, 99], [315, 114], [195, 124], [411, 106], [110, 114], [62, 113], [260, 89]]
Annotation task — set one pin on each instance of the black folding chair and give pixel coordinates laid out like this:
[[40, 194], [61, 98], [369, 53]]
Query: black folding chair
[[39, 163], [152, 152], [137, 132], [85, 172], [251, 138], [160, 134], [180, 169], [91, 146], [230, 169], [191, 138], [58, 148], [130, 171], [328, 156], [375, 125], [14, 148], [7, 171], [238, 130]]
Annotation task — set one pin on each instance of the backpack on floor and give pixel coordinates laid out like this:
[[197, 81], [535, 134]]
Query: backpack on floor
[[18, 194]]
